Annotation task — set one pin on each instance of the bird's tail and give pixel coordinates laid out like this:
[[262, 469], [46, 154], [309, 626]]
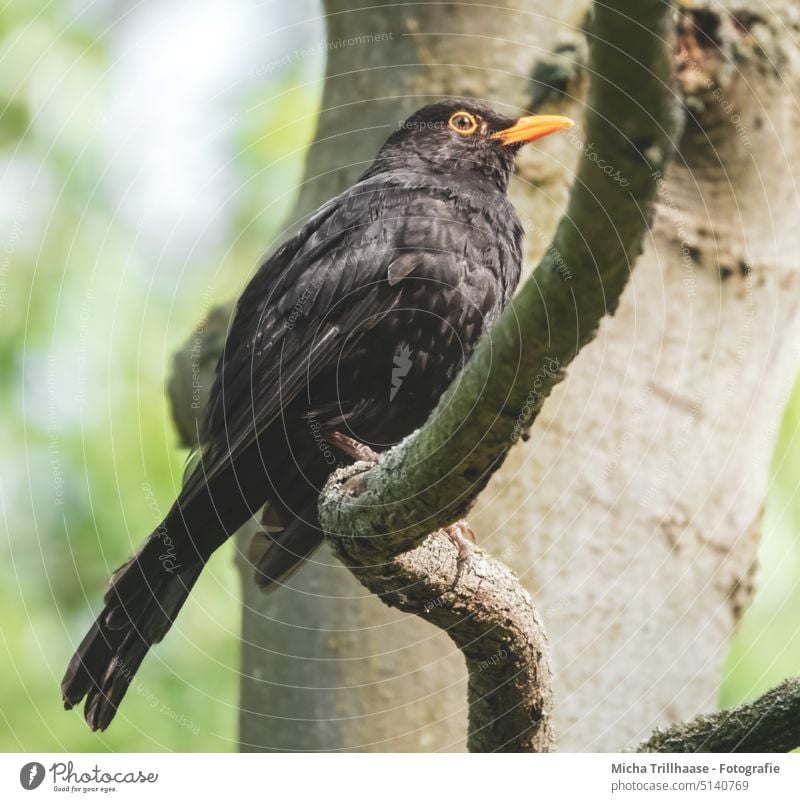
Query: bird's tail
[[278, 555], [143, 598]]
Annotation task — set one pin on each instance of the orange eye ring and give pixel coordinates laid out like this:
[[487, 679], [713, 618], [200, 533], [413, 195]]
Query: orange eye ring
[[462, 122]]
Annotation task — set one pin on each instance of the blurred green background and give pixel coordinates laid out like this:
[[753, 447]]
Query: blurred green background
[[148, 156]]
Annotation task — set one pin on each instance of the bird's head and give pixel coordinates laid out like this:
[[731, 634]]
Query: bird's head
[[463, 136]]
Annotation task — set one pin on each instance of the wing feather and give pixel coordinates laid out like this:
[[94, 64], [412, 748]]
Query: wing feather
[[305, 303]]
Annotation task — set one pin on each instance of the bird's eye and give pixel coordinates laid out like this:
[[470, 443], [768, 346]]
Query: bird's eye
[[462, 122]]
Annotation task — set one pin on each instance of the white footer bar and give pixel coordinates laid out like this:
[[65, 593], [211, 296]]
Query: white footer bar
[[399, 778]]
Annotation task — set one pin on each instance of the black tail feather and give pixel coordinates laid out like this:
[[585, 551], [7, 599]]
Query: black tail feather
[[141, 604], [277, 556]]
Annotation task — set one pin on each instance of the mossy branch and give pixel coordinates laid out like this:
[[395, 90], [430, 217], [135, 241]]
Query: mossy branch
[[771, 723]]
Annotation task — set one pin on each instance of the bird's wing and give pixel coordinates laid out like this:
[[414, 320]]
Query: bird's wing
[[317, 294]]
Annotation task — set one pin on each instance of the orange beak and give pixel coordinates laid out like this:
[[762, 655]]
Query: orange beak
[[526, 129]]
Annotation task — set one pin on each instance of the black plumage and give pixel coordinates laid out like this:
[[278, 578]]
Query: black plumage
[[354, 326]]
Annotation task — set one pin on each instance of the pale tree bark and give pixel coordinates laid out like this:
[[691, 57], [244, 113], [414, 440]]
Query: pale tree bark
[[632, 513]]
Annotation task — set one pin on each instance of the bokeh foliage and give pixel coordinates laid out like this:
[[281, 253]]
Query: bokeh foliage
[[766, 648], [90, 313]]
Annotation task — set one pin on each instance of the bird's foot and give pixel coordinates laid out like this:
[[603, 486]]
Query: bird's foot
[[353, 448], [463, 538]]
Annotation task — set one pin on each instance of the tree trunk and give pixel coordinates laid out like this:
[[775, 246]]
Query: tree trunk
[[632, 514]]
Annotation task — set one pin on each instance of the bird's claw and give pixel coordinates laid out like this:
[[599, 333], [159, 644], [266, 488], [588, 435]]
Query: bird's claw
[[353, 448], [463, 538]]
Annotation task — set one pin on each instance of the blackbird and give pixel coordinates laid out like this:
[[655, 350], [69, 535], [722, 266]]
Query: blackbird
[[340, 346]]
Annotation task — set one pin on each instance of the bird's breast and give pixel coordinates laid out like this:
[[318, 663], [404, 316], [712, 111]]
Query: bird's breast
[[453, 262]]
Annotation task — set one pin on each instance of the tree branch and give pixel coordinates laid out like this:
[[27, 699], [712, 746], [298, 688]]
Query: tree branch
[[771, 723], [378, 518], [491, 619]]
